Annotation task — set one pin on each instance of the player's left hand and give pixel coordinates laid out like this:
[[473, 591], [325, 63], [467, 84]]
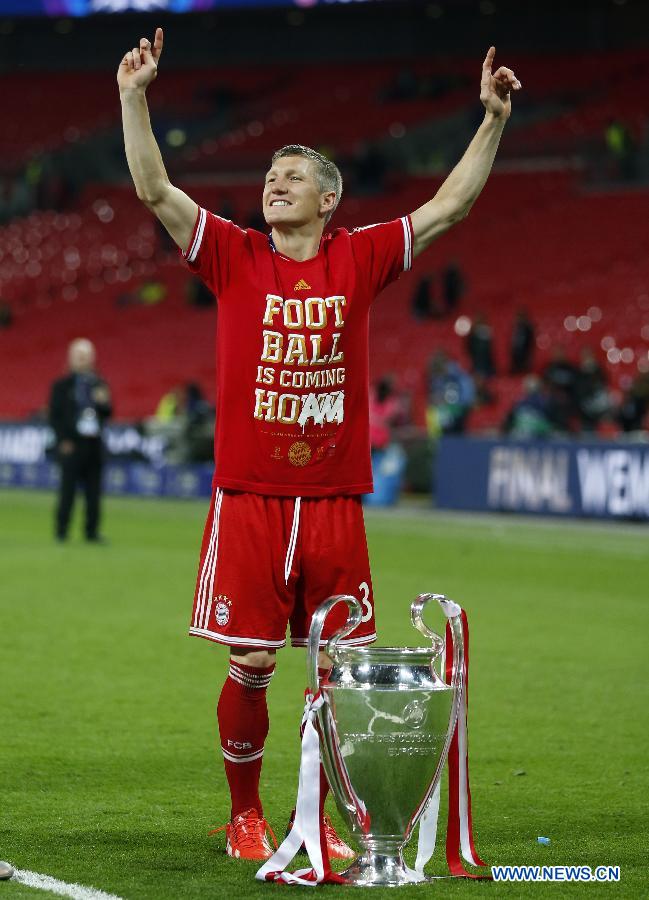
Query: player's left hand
[[496, 88]]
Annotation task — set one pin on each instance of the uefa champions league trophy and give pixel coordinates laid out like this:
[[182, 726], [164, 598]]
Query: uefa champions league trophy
[[386, 726]]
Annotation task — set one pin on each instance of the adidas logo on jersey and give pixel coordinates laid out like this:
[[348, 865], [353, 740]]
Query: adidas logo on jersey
[[302, 286]]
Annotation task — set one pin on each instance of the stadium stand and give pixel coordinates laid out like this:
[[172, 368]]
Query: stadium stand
[[261, 102], [64, 274], [573, 257]]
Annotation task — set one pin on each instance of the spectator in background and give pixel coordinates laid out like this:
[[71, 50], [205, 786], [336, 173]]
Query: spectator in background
[[57, 192], [34, 177], [6, 315], [226, 209], [405, 86], [591, 392], [79, 406], [171, 405], [184, 420], [20, 197], [634, 406], [198, 435], [197, 408], [199, 295], [4, 198], [165, 245], [453, 285], [220, 98], [451, 396], [479, 345], [149, 293], [255, 220], [622, 149], [560, 379], [424, 305], [529, 417], [50, 187], [386, 413], [484, 395], [521, 348], [369, 170]]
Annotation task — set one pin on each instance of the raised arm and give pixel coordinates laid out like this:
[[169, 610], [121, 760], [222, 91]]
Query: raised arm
[[460, 190], [173, 207]]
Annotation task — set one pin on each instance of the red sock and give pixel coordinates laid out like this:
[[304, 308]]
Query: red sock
[[243, 725]]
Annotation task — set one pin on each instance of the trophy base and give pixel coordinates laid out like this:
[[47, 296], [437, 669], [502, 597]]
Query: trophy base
[[381, 870]]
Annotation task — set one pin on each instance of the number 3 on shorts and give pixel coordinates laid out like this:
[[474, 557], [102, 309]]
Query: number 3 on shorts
[[364, 588]]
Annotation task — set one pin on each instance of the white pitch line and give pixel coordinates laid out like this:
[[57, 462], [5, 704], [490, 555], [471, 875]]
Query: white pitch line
[[62, 888]]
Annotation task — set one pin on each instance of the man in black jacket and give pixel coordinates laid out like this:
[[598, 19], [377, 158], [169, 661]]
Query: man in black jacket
[[79, 406]]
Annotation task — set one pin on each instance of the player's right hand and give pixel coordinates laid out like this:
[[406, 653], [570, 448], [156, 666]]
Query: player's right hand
[[139, 66]]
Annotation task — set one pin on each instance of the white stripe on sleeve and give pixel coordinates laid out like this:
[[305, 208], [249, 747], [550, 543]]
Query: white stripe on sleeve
[[198, 237], [407, 243]]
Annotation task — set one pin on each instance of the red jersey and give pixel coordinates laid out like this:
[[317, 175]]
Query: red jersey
[[292, 367]]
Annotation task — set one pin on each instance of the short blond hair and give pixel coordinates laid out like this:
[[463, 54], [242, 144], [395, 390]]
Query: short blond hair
[[328, 177]]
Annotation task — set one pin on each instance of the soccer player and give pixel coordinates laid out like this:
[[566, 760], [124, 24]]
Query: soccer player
[[285, 527]]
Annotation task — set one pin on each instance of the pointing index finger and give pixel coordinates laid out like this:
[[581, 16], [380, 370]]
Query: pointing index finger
[[157, 43], [488, 60]]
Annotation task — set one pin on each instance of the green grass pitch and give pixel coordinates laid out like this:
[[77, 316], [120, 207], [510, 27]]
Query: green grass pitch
[[109, 772]]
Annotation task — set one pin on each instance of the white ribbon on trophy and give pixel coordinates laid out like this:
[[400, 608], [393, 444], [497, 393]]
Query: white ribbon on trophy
[[307, 825]]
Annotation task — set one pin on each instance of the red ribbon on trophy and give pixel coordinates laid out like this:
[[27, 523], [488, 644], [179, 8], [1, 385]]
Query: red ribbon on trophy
[[459, 828], [459, 831]]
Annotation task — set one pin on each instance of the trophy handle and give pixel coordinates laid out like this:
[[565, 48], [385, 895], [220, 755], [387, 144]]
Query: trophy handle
[[453, 614], [416, 617], [315, 634]]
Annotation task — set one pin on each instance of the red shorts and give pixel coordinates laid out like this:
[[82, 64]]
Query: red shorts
[[271, 561]]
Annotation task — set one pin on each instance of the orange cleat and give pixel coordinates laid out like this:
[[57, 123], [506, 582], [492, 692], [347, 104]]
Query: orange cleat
[[246, 836], [336, 847]]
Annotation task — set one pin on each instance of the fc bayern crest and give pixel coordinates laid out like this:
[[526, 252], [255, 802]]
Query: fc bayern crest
[[222, 613]]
